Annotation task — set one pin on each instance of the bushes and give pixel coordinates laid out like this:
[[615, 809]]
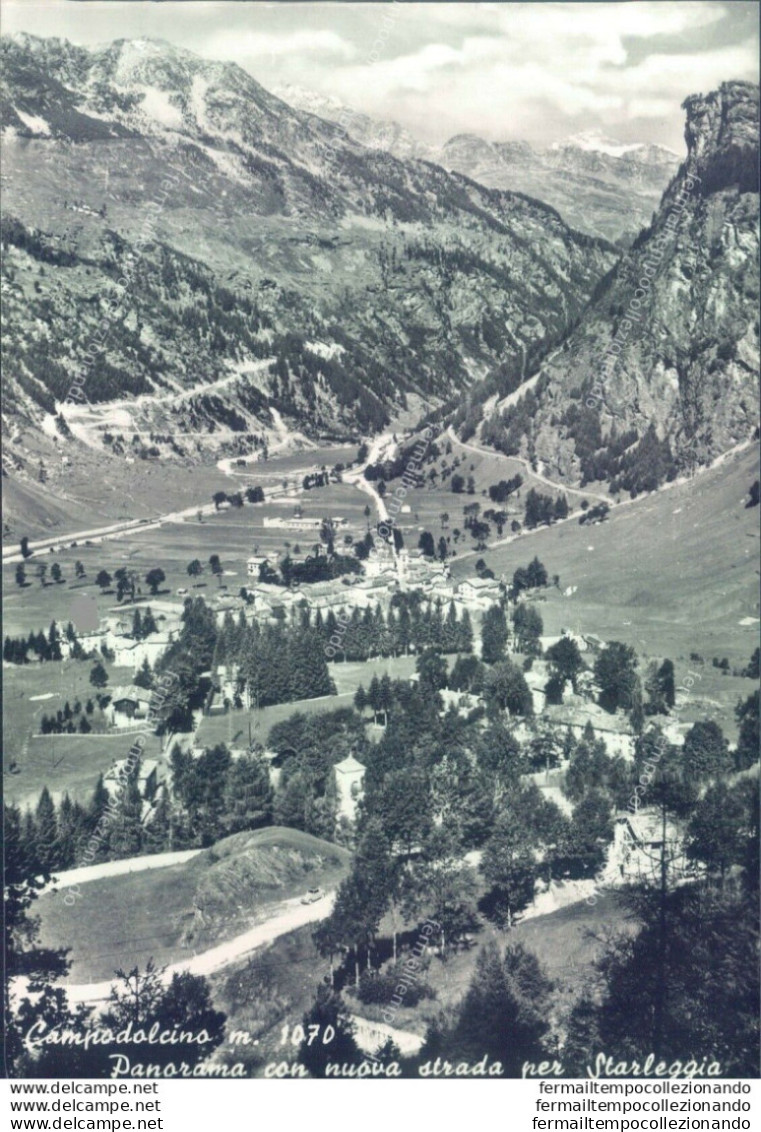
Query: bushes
[[379, 987], [542, 509], [534, 576], [594, 514], [499, 492]]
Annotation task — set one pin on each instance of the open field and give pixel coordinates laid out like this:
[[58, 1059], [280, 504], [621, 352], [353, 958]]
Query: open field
[[348, 676], [714, 696], [561, 941], [232, 534], [672, 573], [150, 489], [291, 463], [233, 727], [96, 487], [428, 503], [71, 764], [35, 757], [564, 942], [151, 913], [118, 923]]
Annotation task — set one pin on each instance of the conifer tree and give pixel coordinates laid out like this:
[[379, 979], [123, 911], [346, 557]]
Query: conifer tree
[[46, 828], [157, 833], [68, 833], [360, 699], [97, 844], [494, 635], [248, 795], [54, 645], [144, 675], [29, 849], [125, 830]]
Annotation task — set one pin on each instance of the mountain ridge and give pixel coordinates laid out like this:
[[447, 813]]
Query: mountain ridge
[[275, 246], [660, 376], [597, 184]]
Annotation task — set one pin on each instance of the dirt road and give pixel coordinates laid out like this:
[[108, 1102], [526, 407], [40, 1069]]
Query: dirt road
[[291, 914], [118, 868], [561, 487]]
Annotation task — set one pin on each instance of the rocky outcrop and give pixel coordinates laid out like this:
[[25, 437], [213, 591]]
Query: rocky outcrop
[[663, 367], [722, 137]]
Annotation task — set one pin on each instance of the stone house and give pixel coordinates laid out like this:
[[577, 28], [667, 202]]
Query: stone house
[[639, 839]]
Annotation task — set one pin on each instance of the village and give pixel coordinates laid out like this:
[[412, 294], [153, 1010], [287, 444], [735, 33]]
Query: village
[[330, 668], [314, 553], [635, 848]]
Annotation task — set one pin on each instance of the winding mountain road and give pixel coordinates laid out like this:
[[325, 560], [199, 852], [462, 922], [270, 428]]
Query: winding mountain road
[[106, 869], [292, 914], [562, 487]]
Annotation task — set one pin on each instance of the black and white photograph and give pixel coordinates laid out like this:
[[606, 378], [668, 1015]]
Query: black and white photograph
[[380, 480]]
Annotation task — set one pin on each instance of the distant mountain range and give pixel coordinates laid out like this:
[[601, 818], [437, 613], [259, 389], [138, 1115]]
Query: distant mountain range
[[597, 184], [661, 373], [238, 255]]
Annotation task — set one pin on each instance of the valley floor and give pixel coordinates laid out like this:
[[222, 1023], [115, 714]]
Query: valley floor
[[675, 574]]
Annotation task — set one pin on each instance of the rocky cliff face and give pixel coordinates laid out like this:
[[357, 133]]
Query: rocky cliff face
[[231, 255], [597, 184], [662, 371], [722, 138]]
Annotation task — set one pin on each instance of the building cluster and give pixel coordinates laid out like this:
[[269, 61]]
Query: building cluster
[[115, 635], [383, 575], [302, 522]]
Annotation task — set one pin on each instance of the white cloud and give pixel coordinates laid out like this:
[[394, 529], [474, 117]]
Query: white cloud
[[669, 75], [253, 45], [518, 70], [511, 63], [600, 21]]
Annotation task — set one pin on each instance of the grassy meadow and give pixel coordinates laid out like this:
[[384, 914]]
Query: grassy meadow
[[151, 913], [671, 573]]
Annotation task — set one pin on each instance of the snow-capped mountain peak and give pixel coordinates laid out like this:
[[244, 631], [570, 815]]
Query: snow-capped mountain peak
[[594, 141]]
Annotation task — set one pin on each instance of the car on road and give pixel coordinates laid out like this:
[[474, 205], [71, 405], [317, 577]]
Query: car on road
[[312, 895]]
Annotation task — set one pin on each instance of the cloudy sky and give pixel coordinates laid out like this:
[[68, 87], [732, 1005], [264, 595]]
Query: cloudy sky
[[534, 71]]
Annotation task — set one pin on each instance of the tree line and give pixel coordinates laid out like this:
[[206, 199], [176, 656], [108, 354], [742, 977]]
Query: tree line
[[411, 623], [16, 650]]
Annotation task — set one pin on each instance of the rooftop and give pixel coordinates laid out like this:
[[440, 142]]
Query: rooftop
[[130, 692], [349, 765]]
